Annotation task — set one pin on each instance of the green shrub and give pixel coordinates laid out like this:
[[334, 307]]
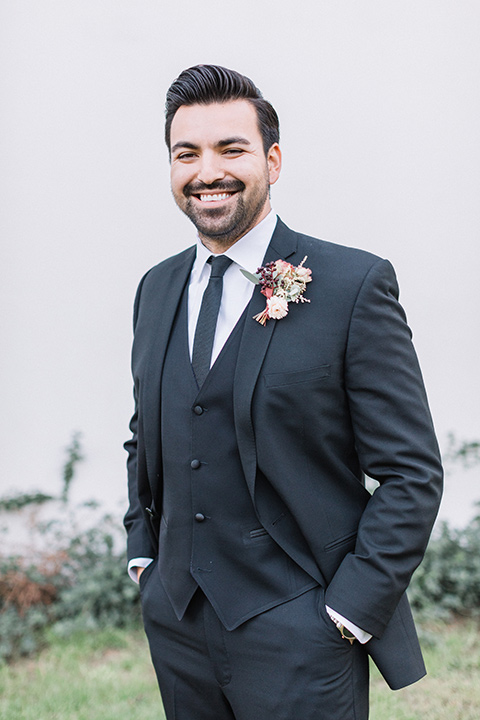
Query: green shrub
[[98, 593], [28, 594], [447, 583], [80, 583], [83, 585]]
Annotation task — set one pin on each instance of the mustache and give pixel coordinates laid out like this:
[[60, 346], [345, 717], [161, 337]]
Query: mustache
[[218, 186]]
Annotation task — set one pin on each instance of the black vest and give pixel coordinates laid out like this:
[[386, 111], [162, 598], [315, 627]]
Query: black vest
[[210, 535]]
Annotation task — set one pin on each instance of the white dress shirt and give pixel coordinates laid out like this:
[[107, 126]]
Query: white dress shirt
[[247, 253]]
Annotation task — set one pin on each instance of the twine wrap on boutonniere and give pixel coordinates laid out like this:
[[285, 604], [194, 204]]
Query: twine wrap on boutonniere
[[281, 283]]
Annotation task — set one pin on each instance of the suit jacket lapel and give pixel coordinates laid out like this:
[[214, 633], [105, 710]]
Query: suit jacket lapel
[[253, 347], [170, 294]]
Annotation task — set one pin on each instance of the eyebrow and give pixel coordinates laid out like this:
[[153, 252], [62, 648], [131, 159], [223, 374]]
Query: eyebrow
[[235, 140]]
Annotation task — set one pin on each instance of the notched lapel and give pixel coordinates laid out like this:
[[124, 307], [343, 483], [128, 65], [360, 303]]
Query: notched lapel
[[170, 291], [253, 348]]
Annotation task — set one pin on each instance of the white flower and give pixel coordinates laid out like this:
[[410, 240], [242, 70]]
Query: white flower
[[277, 307], [303, 273]]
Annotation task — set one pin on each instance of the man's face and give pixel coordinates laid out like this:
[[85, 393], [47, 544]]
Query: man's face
[[220, 174]]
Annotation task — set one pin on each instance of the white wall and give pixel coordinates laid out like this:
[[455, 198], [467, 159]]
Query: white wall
[[379, 107]]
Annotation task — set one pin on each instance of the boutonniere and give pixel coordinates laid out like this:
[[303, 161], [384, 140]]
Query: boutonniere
[[281, 283]]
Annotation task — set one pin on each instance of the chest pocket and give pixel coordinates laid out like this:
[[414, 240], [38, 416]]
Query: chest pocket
[[279, 379]]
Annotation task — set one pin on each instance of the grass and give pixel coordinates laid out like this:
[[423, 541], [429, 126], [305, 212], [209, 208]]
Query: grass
[[108, 675], [450, 691], [101, 676]]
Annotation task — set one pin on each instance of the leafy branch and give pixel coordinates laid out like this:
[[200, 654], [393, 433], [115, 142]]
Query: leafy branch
[[74, 456]]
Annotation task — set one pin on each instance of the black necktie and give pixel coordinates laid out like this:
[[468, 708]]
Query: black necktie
[[207, 318]]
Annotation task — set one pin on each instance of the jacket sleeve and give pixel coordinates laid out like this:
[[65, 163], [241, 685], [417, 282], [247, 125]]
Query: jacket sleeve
[[139, 536], [396, 444]]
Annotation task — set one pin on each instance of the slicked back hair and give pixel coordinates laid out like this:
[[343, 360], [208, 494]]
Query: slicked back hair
[[206, 84]]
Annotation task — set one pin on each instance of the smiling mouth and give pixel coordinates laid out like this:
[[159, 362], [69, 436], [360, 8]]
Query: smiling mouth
[[214, 197]]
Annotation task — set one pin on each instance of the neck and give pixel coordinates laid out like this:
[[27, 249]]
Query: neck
[[217, 246]]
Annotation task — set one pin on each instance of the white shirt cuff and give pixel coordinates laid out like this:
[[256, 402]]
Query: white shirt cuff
[[362, 636], [137, 562]]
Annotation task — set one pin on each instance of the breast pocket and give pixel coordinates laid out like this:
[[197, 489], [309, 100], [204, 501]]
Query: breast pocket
[[279, 379]]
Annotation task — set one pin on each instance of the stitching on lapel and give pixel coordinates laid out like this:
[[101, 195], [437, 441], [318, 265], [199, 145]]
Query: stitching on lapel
[[253, 348], [178, 279]]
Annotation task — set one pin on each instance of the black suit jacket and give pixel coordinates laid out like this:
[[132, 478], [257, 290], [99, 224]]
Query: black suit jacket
[[322, 396]]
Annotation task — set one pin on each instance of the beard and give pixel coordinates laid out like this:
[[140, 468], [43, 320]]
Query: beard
[[225, 225]]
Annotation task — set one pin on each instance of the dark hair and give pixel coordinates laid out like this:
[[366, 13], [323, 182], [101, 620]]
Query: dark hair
[[206, 84]]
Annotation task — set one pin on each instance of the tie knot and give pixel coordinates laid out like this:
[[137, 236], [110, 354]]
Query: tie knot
[[219, 264]]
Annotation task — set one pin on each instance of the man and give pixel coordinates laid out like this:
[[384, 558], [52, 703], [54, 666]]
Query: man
[[271, 573]]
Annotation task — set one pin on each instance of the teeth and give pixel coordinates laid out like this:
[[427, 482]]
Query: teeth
[[213, 198]]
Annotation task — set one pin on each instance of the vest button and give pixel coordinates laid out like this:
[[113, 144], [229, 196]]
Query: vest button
[[199, 517], [198, 410], [195, 464]]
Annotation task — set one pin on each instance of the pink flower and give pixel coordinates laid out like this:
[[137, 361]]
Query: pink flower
[[277, 307], [303, 273], [282, 266]]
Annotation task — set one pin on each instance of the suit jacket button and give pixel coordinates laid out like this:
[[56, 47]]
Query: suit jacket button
[[195, 464], [198, 410], [199, 517]]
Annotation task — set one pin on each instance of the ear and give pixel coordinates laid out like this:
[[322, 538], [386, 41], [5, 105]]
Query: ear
[[274, 163]]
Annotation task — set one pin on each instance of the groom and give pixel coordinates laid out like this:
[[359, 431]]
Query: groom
[[268, 573]]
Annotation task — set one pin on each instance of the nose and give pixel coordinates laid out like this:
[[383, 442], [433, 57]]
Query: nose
[[210, 169]]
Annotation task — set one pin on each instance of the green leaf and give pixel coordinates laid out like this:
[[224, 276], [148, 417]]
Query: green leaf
[[255, 279]]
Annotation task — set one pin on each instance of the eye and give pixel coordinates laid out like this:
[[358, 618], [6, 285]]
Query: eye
[[233, 151], [185, 155]]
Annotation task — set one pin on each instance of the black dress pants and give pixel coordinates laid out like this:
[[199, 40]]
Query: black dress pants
[[288, 663]]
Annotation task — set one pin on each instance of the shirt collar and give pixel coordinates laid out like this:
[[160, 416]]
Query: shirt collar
[[248, 252]]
